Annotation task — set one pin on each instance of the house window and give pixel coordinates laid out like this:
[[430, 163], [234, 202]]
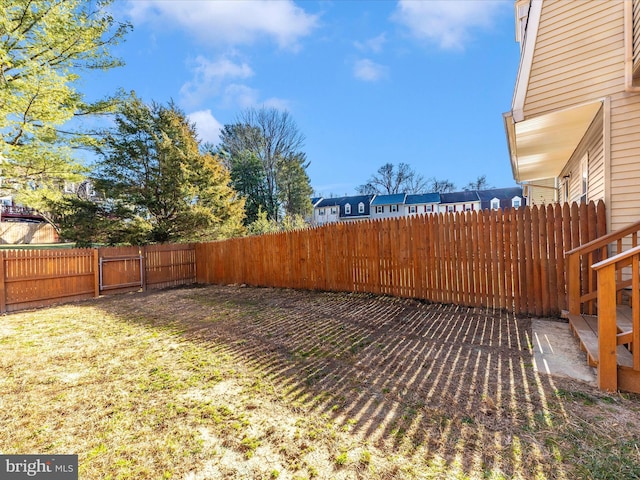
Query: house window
[[565, 186], [361, 207], [394, 208], [451, 208], [347, 209], [522, 15], [321, 211], [379, 209], [412, 209], [333, 210], [428, 208], [584, 178], [468, 208], [516, 202], [495, 204]]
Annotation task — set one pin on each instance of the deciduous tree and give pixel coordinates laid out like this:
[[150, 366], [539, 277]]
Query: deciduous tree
[[480, 183], [45, 48], [271, 136], [440, 186], [390, 179]]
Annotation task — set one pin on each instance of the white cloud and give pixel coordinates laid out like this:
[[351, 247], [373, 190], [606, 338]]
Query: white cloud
[[369, 71], [374, 44], [209, 76], [448, 23], [229, 22], [243, 96], [207, 126]]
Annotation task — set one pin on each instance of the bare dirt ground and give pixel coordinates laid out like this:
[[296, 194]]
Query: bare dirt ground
[[237, 382]]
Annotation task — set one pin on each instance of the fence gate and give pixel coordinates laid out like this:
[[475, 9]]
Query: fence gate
[[120, 270]]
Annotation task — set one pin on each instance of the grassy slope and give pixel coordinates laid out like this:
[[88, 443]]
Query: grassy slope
[[223, 382]]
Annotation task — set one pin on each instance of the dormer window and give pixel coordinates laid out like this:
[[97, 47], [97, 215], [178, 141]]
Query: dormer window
[[361, 207], [495, 204], [516, 202], [347, 209]]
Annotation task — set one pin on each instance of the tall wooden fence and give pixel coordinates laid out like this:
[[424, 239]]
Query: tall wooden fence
[[35, 278], [512, 259]]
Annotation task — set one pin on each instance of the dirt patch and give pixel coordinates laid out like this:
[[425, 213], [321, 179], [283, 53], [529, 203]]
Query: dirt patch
[[291, 384]]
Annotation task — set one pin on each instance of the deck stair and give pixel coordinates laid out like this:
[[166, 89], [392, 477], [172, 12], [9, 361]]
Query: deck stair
[[585, 328], [603, 295]]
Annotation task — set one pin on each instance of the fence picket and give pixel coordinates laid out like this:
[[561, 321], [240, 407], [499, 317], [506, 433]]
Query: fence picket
[[512, 259]]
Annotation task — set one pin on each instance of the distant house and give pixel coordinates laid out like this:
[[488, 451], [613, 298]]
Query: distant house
[[359, 207], [496, 198], [459, 202], [388, 206], [355, 208], [421, 204], [326, 210]]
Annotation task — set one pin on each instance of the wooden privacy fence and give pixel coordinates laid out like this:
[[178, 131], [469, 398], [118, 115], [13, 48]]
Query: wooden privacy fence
[[35, 278], [511, 259]]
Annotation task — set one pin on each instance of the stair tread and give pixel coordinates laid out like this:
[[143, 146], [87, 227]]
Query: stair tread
[[585, 327]]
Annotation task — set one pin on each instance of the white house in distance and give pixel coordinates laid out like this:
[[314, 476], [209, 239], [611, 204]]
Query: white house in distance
[[326, 210], [421, 204], [388, 206], [363, 207], [459, 202]]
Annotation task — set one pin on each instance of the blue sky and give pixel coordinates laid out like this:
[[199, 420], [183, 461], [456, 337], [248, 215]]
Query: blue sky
[[367, 82]]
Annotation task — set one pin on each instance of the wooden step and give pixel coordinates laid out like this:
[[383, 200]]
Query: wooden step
[[587, 337], [585, 327]]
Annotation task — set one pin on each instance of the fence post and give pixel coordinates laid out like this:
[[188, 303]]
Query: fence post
[[3, 292], [607, 339], [573, 278], [143, 268], [96, 273]]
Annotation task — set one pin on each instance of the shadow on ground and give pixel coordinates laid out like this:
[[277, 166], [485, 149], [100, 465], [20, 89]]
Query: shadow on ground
[[451, 384]]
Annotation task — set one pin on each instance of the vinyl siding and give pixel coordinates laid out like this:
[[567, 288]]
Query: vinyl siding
[[542, 192], [579, 55], [625, 160], [591, 145]]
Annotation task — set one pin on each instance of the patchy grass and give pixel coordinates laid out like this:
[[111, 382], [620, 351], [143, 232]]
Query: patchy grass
[[230, 382]]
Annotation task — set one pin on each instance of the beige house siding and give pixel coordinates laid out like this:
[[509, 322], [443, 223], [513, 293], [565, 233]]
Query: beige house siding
[[592, 148], [625, 159], [541, 192], [579, 54]]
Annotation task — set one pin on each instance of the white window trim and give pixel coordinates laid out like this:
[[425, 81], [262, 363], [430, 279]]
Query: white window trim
[[361, 207], [347, 209], [584, 178], [495, 203]]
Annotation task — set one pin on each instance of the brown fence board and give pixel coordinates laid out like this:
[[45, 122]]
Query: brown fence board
[[512, 259], [37, 278]]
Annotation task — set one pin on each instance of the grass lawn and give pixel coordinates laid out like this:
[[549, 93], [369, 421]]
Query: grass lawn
[[244, 383]]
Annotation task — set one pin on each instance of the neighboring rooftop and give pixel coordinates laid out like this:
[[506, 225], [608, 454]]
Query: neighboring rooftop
[[422, 198], [394, 199]]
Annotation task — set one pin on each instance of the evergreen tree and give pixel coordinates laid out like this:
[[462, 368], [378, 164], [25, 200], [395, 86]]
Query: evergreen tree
[[153, 172], [294, 187]]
